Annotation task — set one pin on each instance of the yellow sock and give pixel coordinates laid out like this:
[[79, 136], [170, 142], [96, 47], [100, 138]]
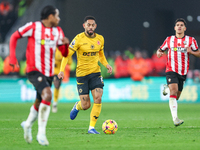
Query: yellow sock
[[55, 98], [78, 106], [94, 115]]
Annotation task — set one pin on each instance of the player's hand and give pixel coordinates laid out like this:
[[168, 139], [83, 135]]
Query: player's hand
[[189, 50], [109, 68], [159, 53], [65, 40], [13, 65], [61, 75]]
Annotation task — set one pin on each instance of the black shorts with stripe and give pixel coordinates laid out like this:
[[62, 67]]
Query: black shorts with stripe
[[89, 82], [173, 77]]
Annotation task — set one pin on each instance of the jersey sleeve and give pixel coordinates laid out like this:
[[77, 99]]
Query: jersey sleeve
[[194, 45], [74, 45], [102, 40], [26, 30], [164, 46], [102, 57], [61, 36], [65, 60]]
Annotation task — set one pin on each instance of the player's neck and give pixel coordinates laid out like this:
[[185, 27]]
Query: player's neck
[[93, 35], [46, 23], [180, 35]]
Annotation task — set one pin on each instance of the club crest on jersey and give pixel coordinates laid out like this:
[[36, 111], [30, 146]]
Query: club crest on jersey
[[98, 42], [169, 80], [185, 42], [92, 46]]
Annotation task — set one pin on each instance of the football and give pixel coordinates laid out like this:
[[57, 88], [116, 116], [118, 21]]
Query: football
[[109, 127]]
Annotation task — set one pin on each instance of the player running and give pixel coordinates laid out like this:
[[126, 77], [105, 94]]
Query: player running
[[43, 38], [89, 48], [179, 47]]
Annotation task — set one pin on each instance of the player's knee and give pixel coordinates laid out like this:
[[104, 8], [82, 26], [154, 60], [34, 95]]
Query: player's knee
[[98, 99], [173, 91], [46, 94], [86, 106]]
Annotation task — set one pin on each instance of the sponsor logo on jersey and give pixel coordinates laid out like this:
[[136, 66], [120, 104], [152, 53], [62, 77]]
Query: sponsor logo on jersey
[[89, 53], [46, 42], [179, 49]]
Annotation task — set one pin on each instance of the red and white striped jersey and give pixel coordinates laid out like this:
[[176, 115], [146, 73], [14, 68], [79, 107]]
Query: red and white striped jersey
[[41, 47], [178, 57]]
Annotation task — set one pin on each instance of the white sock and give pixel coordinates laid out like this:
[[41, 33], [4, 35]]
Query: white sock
[[32, 117], [173, 107], [90, 127], [43, 115], [54, 103]]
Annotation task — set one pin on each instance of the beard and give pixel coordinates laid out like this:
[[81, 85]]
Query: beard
[[90, 33]]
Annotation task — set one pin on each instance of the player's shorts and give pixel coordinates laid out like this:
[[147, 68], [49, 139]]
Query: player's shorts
[[173, 77], [39, 81], [89, 82]]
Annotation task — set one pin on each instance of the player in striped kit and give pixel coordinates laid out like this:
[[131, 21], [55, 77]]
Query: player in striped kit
[[43, 38], [179, 47]]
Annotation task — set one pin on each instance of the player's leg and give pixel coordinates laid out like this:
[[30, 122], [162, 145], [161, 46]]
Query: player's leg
[[83, 91], [42, 85], [172, 100], [57, 83], [173, 81], [182, 79], [43, 115], [32, 117], [96, 109], [96, 86], [83, 104]]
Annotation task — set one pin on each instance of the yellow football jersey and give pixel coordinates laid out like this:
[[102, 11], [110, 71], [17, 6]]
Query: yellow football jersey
[[58, 60], [89, 51]]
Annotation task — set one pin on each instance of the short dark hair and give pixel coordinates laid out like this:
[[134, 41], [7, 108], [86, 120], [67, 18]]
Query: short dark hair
[[181, 20], [46, 11], [89, 18]]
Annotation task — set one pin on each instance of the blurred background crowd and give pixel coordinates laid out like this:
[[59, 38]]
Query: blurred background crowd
[[133, 61]]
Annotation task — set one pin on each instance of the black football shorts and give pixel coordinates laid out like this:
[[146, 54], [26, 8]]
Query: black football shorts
[[173, 77], [39, 81], [89, 82]]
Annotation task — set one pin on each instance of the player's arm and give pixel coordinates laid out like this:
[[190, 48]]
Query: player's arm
[[193, 48], [13, 44], [64, 47], [162, 48], [64, 63], [193, 52], [159, 53], [104, 62]]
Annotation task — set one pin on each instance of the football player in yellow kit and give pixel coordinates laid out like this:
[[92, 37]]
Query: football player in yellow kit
[[57, 81], [89, 48]]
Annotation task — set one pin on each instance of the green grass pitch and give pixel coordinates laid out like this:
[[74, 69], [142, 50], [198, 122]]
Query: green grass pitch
[[141, 126]]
